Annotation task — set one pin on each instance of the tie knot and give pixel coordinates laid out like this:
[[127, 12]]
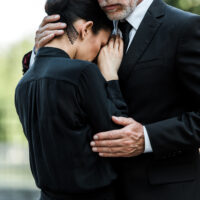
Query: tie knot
[[125, 27]]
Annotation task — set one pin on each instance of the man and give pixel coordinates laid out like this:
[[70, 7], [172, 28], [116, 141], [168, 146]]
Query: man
[[160, 81]]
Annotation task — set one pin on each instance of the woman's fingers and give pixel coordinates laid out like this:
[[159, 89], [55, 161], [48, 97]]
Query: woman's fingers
[[111, 42], [121, 46], [116, 43]]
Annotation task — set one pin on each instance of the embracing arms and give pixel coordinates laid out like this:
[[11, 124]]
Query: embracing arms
[[45, 33], [132, 142]]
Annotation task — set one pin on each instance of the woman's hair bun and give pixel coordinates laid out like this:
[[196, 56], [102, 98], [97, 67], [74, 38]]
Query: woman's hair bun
[[56, 6], [72, 10]]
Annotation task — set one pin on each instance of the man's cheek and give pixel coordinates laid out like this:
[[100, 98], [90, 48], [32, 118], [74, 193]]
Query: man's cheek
[[100, 1]]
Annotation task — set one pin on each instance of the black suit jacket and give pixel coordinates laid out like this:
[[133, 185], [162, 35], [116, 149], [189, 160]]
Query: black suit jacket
[[160, 81]]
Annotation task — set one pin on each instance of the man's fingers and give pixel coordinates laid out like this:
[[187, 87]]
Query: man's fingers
[[48, 33], [109, 135], [115, 155], [53, 26], [107, 150], [49, 19], [45, 37], [107, 143], [48, 30], [45, 40], [122, 120]]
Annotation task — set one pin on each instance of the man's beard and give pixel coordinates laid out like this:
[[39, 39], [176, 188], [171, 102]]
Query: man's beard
[[122, 14]]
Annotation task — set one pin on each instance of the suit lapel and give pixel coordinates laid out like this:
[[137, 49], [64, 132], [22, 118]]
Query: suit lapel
[[143, 38]]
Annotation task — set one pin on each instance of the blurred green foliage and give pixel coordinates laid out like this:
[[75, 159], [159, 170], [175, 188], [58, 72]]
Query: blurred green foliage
[[11, 72], [188, 5]]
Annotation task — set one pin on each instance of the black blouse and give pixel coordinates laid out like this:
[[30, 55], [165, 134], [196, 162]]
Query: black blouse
[[61, 104]]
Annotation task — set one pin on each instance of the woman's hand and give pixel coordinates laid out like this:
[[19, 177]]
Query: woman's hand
[[110, 58], [48, 30]]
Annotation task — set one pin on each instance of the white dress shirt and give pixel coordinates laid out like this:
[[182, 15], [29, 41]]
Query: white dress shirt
[[134, 19]]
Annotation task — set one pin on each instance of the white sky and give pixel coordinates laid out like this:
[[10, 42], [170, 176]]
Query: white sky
[[19, 18]]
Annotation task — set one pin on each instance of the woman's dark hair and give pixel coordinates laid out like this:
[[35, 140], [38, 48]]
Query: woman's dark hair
[[72, 10]]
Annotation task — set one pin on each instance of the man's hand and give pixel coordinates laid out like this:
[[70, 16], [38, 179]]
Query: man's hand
[[48, 30], [125, 142]]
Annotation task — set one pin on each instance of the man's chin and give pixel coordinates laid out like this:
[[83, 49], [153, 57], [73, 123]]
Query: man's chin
[[116, 16]]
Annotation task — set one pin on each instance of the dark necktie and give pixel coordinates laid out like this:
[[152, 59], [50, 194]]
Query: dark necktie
[[125, 28]]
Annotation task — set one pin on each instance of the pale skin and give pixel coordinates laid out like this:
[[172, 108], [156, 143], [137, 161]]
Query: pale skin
[[95, 44], [128, 141]]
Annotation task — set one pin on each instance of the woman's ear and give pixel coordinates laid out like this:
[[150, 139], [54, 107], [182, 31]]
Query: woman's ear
[[86, 29]]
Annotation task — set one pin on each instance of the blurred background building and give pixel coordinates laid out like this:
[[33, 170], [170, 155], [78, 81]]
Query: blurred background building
[[19, 21]]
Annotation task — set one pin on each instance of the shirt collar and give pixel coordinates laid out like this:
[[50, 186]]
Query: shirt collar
[[136, 17], [52, 52]]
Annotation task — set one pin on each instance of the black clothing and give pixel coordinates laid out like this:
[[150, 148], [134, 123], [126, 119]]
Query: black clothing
[[125, 27], [106, 193], [61, 104], [160, 81]]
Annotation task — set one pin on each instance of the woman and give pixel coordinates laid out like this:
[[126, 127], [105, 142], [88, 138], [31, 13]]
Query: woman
[[63, 100]]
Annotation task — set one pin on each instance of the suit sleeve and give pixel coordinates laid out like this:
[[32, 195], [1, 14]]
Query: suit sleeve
[[181, 133], [100, 99]]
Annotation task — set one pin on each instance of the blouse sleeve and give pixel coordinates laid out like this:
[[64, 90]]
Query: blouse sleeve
[[100, 99], [26, 62]]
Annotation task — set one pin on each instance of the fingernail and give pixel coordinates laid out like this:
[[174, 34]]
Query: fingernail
[[63, 25], [60, 31], [92, 143], [96, 137], [101, 154], [56, 16], [94, 149]]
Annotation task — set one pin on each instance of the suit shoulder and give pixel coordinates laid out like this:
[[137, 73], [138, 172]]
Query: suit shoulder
[[177, 15], [180, 21]]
